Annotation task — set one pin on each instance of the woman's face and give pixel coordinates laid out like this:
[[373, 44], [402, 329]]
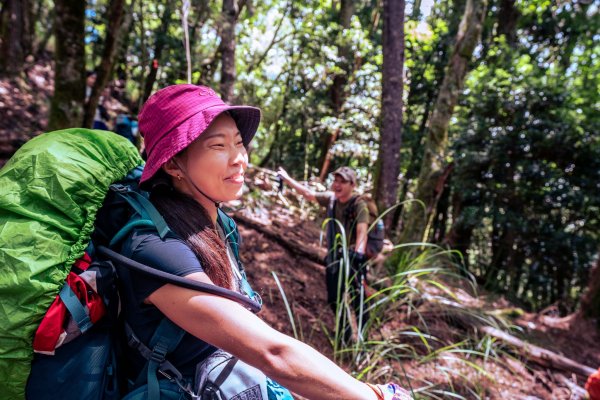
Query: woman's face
[[215, 162]]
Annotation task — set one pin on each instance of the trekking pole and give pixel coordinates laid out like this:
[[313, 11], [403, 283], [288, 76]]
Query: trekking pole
[[362, 282]]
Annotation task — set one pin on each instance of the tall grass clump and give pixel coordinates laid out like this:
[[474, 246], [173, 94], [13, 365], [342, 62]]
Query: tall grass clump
[[403, 307]]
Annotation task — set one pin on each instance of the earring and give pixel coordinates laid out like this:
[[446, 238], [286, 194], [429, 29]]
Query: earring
[[178, 177]]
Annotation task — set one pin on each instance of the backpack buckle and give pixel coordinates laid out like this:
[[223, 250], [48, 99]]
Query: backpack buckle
[[173, 375], [133, 342], [159, 352], [119, 187], [169, 371]]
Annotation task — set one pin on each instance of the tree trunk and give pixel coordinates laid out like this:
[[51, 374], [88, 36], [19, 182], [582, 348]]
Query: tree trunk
[[438, 59], [284, 107], [434, 163], [114, 31], [28, 27], [161, 36], [228, 44], [66, 108], [590, 301], [464, 222], [440, 220], [337, 91], [503, 254], [275, 143], [47, 16], [531, 352], [3, 30], [538, 354], [120, 68], [507, 21], [415, 14], [17, 39], [391, 107]]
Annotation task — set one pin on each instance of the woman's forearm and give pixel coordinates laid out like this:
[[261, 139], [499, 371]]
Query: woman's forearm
[[307, 372], [228, 326]]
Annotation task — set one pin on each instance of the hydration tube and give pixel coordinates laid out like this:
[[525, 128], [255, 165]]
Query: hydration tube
[[180, 281]]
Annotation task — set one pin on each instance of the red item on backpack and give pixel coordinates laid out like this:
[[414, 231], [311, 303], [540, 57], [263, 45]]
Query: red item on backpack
[[593, 385], [52, 330]]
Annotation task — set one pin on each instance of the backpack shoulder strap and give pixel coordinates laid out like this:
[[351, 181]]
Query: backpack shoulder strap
[[350, 213], [148, 215], [230, 229], [78, 311], [233, 238], [165, 339], [331, 207]]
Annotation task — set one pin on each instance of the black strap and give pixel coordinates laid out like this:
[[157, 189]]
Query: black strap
[[180, 281], [331, 232], [135, 343], [226, 371], [350, 213], [166, 338]]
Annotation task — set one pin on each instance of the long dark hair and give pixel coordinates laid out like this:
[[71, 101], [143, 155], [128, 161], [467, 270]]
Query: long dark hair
[[190, 221]]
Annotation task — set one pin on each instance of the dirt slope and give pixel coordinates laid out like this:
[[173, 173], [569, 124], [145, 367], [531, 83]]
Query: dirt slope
[[510, 377]]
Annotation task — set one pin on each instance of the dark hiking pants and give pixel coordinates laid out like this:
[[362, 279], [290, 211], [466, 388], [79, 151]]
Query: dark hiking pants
[[332, 281]]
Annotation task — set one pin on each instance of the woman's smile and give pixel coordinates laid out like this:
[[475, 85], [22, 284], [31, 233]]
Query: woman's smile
[[237, 178]]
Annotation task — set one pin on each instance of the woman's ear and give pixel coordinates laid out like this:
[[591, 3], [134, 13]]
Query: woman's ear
[[171, 168]]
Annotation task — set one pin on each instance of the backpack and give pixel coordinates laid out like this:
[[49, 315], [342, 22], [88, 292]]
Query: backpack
[[58, 288], [376, 230]]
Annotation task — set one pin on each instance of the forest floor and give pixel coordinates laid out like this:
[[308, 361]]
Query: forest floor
[[437, 371], [509, 375], [24, 103]]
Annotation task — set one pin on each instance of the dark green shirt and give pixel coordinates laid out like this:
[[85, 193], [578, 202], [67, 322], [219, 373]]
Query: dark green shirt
[[362, 213]]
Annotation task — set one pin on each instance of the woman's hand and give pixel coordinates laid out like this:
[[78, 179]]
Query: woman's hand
[[390, 391]]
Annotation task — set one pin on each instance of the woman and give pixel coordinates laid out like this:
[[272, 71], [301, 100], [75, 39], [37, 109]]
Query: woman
[[196, 158]]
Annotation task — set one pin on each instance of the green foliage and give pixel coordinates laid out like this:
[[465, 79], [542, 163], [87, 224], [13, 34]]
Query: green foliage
[[522, 202], [376, 356], [527, 160], [293, 86]]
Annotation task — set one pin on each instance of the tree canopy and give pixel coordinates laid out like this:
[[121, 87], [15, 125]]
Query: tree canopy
[[517, 186]]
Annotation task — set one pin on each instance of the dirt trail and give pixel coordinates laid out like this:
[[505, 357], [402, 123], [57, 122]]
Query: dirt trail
[[510, 378]]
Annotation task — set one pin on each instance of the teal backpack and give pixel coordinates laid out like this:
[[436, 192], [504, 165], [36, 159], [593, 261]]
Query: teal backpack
[[67, 196]]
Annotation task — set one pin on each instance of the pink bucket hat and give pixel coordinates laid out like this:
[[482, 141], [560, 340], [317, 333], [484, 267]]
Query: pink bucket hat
[[175, 116]]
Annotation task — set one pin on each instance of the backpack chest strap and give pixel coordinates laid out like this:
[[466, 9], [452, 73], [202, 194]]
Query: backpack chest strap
[[165, 340]]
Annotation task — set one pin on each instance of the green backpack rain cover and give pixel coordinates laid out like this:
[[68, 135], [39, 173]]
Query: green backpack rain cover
[[50, 191]]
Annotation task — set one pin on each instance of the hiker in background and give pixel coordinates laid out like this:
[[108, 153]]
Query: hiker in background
[[352, 211], [101, 117], [127, 127], [196, 158]]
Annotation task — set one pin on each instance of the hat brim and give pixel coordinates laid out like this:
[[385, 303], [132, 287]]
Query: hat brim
[[344, 176], [247, 119]]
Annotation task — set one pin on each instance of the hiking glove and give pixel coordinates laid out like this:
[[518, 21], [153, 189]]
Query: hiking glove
[[390, 391]]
